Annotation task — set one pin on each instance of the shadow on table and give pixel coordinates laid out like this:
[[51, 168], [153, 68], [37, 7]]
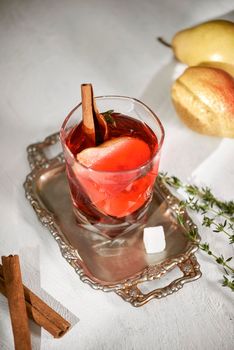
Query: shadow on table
[[229, 16], [189, 148]]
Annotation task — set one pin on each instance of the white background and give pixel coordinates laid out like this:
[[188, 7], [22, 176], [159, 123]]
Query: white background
[[47, 49]]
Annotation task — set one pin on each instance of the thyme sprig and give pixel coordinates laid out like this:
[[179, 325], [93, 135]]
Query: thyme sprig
[[216, 214], [109, 118]]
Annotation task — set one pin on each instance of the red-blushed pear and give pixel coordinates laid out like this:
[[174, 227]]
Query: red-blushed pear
[[204, 100]]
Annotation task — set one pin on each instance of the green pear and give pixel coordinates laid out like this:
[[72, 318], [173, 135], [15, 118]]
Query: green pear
[[209, 41], [229, 68]]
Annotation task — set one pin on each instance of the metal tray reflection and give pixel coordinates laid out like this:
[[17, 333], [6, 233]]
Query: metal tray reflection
[[118, 264]]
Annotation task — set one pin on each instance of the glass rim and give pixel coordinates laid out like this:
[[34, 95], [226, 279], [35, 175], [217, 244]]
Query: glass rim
[[160, 142]]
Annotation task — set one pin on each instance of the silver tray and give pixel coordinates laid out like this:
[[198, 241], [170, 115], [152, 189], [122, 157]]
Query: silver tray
[[121, 264]]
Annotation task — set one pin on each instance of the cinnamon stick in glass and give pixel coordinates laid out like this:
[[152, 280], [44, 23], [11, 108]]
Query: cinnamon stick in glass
[[17, 307], [40, 312], [102, 124], [94, 124], [88, 114]]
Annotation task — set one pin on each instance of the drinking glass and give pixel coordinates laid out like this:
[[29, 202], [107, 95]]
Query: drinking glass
[[112, 202]]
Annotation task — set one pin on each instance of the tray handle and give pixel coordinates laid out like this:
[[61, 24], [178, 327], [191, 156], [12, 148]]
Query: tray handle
[[131, 293], [37, 157]]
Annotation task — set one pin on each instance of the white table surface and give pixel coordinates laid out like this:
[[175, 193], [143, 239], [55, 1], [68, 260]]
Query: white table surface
[[47, 49]]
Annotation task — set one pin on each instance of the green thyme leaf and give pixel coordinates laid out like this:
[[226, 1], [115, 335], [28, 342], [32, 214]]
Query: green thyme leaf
[[228, 283], [109, 118]]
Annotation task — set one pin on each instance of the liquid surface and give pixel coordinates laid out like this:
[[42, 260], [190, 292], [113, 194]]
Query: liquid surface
[[122, 125]]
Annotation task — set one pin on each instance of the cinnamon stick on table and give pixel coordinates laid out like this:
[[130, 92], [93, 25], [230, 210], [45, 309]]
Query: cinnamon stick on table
[[17, 307], [40, 312]]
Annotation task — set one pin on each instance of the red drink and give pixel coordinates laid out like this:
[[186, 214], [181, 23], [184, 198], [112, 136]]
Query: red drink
[[132, 145], [112, 184]]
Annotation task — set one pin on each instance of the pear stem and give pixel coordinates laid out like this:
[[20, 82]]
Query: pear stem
[[165, 43]]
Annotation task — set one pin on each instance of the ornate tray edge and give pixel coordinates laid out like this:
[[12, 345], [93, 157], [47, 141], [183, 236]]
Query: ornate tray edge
[[127, 289]]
